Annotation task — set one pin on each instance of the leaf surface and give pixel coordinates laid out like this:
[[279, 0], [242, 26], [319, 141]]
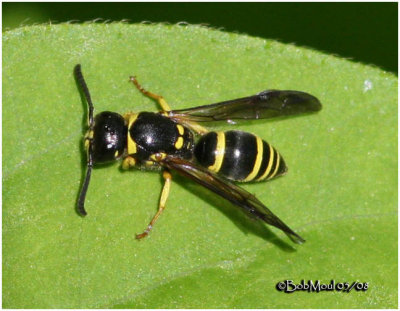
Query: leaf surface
[[340, 193]]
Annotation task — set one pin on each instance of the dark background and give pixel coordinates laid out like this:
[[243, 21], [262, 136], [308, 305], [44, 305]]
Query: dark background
[[364, 32]]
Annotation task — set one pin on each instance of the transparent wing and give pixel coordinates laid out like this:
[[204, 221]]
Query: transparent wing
[[265, 105], [229, 191]]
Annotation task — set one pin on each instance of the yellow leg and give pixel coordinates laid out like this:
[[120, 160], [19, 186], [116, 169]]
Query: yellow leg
[[128, 162], [165, 107], [164, 195], [161, 101], [195, 127]]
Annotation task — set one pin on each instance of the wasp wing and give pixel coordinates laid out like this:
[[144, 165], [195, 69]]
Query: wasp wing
[[229, 191], [265, 105]]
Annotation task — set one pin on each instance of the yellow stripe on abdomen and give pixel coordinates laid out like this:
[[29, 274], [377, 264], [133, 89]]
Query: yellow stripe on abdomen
[[219, 152], [270, 162], [257, 163], [278, 158]]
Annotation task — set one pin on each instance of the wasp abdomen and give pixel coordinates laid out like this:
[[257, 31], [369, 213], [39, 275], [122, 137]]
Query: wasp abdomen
[[239, 156]]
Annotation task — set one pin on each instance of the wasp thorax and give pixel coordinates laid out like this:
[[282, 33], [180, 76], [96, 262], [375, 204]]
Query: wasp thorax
[[109, 137]]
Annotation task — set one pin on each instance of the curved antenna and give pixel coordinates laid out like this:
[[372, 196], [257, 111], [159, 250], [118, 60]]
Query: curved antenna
[[82, 83], [88, 140], [85, 186]]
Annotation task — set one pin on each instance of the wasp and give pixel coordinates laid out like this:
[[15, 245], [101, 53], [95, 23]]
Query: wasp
[[175, 140]]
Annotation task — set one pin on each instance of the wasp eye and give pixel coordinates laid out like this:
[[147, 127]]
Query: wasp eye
[[109, 137]]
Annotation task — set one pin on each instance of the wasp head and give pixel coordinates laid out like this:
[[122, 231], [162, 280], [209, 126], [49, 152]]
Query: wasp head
[[108, 137]]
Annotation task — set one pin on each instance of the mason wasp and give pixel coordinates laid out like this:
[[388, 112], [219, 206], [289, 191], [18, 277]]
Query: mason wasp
[[166, 140]]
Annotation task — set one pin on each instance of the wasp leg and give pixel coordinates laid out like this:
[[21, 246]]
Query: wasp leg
[[165, 107], [161, 101], [163, 199], [195, 127], [128, 162]]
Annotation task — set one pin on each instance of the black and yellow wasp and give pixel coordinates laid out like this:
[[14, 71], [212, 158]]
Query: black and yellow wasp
[[166, 140]]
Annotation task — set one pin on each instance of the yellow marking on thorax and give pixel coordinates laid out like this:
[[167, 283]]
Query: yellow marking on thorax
[[258, 161], [181, 129], [270, 162], [276, 166], [219, 152], [132, 149], [179, 143]]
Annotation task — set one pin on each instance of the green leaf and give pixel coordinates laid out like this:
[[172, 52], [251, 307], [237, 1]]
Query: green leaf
[[340, 193]]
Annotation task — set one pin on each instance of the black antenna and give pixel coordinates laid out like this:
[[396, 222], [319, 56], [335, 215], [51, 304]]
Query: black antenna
[[89, 138], [82, 83]]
